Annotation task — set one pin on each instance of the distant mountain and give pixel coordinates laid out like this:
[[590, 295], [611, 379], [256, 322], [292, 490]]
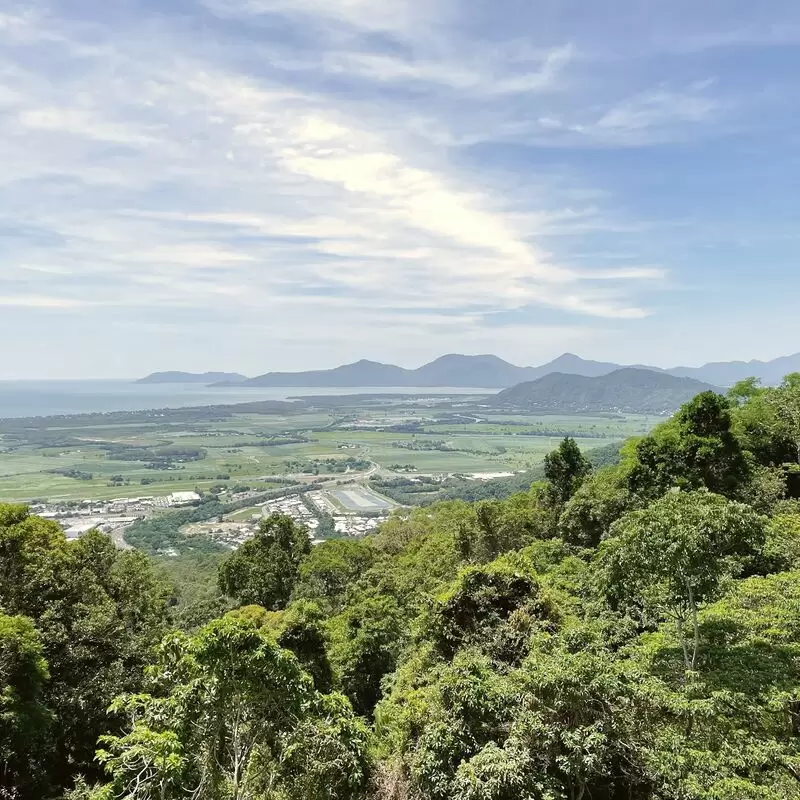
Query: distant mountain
[[631, 390], [457, 370], [489, 372], [570, 364], [481, 371], [193, 377], [718, 373], [361, 373], [726, 373]]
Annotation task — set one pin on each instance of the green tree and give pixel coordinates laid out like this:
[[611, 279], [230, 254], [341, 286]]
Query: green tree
[[302, 631], [264, 570], [465, 711], [745, 390], [732, 733], [758, 427], [493, 609], [224, 725], [326, 528], [366, 641], [782, 545], [506, 525], [599, 502], [671, 558], [566, 468], [24, 719], [99, 613], [696, 449], [324, 757], [786, 404], [32, 551], [106, 616], [331, 569]]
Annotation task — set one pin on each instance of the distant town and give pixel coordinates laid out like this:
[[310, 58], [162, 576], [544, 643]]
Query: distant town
[[351, 511]]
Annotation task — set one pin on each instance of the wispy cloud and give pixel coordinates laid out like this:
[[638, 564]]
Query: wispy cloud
[[479, 78], [353, 163], [40, 301], [344, 204], [365, 15], [658, 109], [653, 116]]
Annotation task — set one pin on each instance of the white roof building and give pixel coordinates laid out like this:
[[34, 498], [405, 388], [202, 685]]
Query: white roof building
[[182, 498], [77, 530]]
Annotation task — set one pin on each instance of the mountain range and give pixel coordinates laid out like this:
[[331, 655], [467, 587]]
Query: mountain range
[[480, 371], [627, 390]]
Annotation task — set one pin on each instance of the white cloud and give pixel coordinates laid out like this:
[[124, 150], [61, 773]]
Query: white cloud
[[172, 174], [656, 108], [40, 301], [654, 116], [483, 78], [367, 15], [80, 123]]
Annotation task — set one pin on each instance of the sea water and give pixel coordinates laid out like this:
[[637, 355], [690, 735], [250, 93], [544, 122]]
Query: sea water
[[43, 398]]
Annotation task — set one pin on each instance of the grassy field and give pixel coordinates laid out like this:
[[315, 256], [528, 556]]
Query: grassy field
[[99, 458]]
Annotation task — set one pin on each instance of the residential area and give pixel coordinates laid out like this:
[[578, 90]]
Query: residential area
[[344, 511]]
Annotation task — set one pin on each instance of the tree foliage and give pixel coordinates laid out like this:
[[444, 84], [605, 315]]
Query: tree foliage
[[233, 716], [265, 569], [696, 449], [628, 633], [24, 719], [670, 559], [97, 613], [565, 469]]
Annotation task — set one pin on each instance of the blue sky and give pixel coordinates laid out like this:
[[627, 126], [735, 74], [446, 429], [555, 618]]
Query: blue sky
[[292, 184]]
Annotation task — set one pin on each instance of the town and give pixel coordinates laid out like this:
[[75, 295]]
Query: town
[[352, 511]]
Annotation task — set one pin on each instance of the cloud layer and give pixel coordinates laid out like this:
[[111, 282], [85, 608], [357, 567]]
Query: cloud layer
[[294, 182]]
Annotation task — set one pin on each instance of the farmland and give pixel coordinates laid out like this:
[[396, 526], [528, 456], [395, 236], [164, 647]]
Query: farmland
[[338, 440]]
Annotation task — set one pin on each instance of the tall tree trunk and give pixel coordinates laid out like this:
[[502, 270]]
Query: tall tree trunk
[[682, 637], [695, 626]]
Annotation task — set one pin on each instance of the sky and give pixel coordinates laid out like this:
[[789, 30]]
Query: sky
[[259, 185]]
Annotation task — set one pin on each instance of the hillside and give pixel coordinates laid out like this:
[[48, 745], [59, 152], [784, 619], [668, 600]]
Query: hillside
[[630, 390], [621, 631], [193, 377]]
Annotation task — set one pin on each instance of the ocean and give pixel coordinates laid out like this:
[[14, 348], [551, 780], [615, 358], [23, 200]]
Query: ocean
[[45, 398]]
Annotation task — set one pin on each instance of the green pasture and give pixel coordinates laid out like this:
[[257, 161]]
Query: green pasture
[[234, 447], [244, 514]]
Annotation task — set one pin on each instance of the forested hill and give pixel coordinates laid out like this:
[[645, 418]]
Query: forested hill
[[628, 390], [628, 632]]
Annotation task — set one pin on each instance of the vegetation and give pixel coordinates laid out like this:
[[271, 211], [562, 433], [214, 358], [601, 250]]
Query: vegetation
[[640, 391], [622, 631], [264, 570], [106, 456], [328, 465], [162, 532]]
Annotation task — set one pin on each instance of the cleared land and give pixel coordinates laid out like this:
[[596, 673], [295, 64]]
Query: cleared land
[[336, 441], [358, 498]]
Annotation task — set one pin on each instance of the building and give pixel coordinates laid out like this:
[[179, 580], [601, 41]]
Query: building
[[77, 529], [183, 498]]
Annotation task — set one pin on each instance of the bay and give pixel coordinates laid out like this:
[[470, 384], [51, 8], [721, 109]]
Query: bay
[[43, 398]]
